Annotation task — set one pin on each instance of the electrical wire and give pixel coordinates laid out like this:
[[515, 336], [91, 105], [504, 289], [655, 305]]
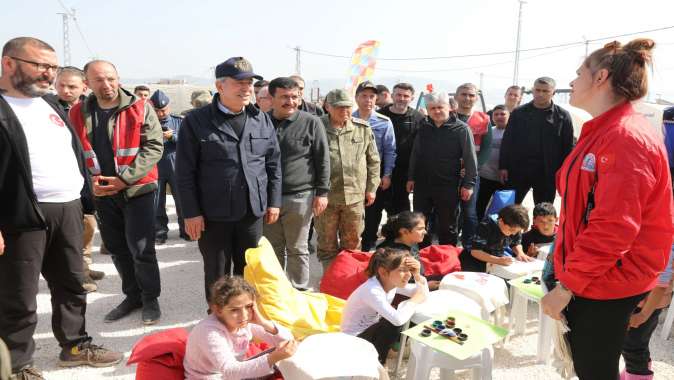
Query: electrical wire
[[568, 44], [71, 14]]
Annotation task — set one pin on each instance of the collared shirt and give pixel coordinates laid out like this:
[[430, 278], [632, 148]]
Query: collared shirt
[[226, 110], [384, 137]]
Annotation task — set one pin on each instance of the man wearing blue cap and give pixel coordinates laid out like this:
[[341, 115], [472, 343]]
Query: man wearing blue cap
[[228, 172], [170, 124]]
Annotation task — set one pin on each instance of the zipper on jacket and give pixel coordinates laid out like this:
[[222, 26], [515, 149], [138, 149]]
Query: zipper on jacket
[[566, 193]]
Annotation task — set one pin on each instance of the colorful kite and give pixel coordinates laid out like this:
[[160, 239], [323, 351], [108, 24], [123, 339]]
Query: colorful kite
[[362, 64]]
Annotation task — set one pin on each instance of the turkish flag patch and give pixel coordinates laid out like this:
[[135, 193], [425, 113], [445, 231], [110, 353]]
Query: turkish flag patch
[[606, 161], [56, 120]]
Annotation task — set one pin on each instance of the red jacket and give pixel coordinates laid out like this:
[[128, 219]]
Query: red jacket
[[625, 242]]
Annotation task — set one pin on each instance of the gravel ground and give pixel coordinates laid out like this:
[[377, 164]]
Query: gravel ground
[[183, 305]]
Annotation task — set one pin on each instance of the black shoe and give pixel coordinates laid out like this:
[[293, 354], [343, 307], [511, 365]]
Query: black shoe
[[104, 251], [185, 237], [122, 310], [96, 275], [159, 240], [151, 312]]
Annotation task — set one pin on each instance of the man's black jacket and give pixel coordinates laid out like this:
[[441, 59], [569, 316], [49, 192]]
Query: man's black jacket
[[19, 210], [220, 175], [556, 140]]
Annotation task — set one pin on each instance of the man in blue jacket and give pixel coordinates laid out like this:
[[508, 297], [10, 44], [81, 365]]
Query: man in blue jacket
[[170, 124], [384, 136], [228, 171]]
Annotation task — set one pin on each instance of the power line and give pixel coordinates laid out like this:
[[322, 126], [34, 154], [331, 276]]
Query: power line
[[568, 44], [474, 67]]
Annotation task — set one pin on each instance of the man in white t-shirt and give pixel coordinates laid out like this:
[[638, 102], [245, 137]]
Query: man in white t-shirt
[[43, 192]]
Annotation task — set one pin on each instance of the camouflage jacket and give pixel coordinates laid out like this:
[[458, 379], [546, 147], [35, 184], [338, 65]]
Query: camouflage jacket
[[354, 161]]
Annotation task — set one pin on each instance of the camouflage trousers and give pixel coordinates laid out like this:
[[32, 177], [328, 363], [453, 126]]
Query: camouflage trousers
[[339, 227]]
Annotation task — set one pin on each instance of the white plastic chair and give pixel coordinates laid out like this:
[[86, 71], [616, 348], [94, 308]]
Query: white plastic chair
[[518, 318], [439, 302], [669, 319], [489, 291], [423, 359]]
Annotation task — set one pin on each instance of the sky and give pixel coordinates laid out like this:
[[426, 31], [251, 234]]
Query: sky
[[171, 38]]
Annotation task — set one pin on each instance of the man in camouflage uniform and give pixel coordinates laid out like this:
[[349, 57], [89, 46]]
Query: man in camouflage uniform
[[354, 178]]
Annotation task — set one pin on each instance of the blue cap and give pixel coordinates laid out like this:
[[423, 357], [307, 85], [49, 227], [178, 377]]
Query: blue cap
[[237, 68], [159, 99]]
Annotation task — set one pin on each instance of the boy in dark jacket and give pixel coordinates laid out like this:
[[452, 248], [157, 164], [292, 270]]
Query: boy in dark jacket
[[543, 229], [496, 235]]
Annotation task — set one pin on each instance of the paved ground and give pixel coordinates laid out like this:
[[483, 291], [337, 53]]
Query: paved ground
[[183, 305]]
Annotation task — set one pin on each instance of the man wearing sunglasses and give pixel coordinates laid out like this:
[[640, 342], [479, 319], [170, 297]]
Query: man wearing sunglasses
[[44, 189]]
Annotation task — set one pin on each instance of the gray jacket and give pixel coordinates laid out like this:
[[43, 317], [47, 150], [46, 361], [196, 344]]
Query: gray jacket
[[305, 157]]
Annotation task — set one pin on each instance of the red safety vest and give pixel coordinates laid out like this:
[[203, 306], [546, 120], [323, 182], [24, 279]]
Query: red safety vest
[[479, 124], [125, 139]]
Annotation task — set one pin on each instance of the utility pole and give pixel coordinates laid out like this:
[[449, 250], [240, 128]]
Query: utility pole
[[298, 60], [517, 44], [481, 81], [66, 36], [587, 43]]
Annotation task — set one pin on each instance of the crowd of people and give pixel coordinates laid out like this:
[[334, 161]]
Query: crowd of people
[[255, 159]]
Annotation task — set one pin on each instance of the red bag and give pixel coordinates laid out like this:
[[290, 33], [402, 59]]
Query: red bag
[[439, 260], [160, 355], [255, 348], [345, 274]]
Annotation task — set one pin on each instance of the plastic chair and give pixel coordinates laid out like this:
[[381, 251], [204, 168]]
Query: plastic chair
[[423, 359], [669, 319], [499, 200], [439, 302], [518, 317], [489, 291]]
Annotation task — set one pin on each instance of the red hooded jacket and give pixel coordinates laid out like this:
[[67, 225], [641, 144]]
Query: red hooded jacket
[[616, 248]]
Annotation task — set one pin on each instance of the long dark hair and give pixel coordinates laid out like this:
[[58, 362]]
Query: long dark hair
[[406, 219]]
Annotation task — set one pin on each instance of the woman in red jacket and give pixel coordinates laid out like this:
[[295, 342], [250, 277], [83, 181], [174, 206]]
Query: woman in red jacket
[[616, 221]]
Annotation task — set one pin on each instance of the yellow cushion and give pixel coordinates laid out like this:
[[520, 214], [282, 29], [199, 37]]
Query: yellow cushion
[[303, 313]]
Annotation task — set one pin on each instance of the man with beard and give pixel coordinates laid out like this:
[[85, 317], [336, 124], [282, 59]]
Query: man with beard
[[44, 187], [232, 138], [305, 162], [122, 139], [406, 122]]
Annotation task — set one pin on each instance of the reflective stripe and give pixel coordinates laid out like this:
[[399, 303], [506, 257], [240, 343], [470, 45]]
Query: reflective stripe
[[95, 169], [128, 152], [89, 154], [122, 168]]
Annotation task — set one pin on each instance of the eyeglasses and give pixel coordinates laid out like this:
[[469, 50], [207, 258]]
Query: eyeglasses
[[38, 65]]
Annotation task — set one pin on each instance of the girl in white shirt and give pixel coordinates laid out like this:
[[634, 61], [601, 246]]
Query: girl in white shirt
[[217, 346], [369, 314]]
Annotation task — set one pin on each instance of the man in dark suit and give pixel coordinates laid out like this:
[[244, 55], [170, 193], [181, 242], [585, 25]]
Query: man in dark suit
[[228, 169]]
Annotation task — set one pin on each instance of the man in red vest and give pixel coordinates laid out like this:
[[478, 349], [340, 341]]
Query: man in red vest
[[122, 140], [480, 125]]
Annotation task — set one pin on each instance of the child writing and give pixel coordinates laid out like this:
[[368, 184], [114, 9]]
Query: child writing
[[217, 346], [543, 229], [494, 234], [368, 313]]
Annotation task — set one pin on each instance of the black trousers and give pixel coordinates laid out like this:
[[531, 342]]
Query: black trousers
[[400, 198], [544, 187], [382, 335], [161, 220], [635, 348], [127, 229], [373, 217], [224, 243], [443, 202], [487, 189], [597, 335], [57, 254]]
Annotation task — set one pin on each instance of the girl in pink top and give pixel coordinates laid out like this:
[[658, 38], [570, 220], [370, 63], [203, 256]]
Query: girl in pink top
[[217, 346]]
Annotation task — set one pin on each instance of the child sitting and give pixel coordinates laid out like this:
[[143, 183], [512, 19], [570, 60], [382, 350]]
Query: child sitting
[[543, 229], [642, 325], [494, 234], [217, 346], [368, 313]]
